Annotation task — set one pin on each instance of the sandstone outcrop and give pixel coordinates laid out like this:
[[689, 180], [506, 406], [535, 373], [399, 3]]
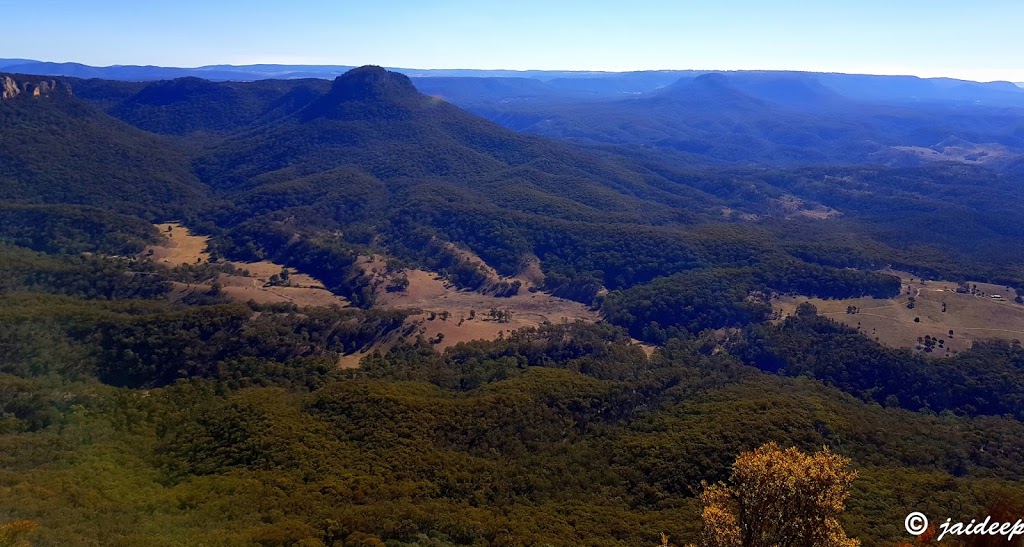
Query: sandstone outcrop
[[14, 87]]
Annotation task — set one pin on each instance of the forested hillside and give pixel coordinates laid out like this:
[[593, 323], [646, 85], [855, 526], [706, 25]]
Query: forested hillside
[[59, 150], [140, 403]]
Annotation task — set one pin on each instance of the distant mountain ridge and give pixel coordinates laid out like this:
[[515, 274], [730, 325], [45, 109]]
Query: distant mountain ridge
[[779, 118], [886, 88]]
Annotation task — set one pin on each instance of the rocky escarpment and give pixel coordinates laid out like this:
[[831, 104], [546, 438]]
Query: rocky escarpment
[[24, 86]]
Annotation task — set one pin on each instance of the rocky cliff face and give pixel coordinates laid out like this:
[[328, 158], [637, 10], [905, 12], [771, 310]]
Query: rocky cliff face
[[25, 86]]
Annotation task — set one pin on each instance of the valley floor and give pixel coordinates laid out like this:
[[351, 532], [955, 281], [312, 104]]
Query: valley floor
[[447, 315], [938, 309]]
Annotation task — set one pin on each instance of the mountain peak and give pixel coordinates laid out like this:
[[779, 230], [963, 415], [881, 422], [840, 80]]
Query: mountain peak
[[711, 83], [712, 80], [712, 88], [366, 91], [372, 83]]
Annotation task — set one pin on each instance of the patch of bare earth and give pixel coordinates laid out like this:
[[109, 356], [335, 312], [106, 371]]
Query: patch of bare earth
[[962, 152], [970, 316], [375, 267], [302, 290], [183, 247], [447, 315], [468, 256], [729, 212], [791, 206], [180, 246], [531, 273], [461, 315]]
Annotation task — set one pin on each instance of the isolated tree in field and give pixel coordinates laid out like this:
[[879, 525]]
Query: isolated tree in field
[[806, 309], [779, 497]]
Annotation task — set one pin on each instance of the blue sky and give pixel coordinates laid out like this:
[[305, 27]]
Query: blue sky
[[978, 40]]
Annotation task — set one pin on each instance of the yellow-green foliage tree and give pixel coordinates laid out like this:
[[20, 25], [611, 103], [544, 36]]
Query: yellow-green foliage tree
[[779, 497], [16, 533]]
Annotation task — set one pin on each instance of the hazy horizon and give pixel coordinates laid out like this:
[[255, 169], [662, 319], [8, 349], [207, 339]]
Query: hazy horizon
[[925, 39], [497, 69]]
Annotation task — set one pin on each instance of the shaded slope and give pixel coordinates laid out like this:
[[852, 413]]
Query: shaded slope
[[187, 105], [61, 150], [376, 122]]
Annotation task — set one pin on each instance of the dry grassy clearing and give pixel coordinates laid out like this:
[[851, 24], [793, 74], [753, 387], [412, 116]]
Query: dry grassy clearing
[[961, 152], [182, 247], [433, 295], [971, 317], [446, 311], [450, 316]]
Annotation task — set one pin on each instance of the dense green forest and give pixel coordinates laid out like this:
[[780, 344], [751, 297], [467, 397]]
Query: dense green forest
[[137, 421], [139, 408], [985, 380]]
